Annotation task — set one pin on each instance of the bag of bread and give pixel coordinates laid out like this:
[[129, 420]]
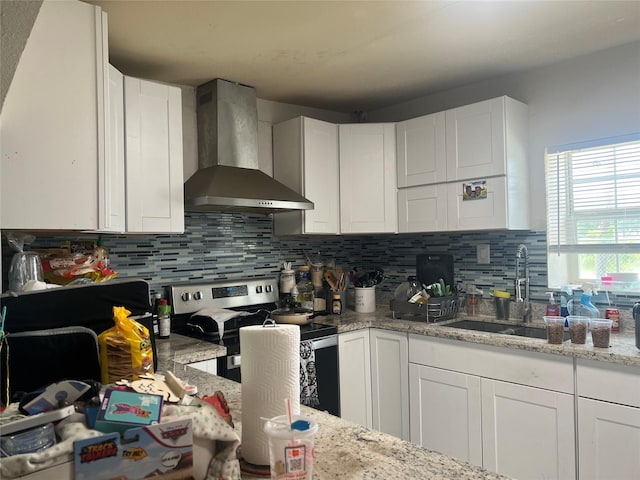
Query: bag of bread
[[125, 349]]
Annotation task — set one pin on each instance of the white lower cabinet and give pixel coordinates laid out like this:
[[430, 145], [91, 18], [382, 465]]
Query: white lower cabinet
[[208, 366], [374, 380], [508, 411], [446, 412], [609, 440], [608, 420], [527, 433], [355, 377], [390, 382]]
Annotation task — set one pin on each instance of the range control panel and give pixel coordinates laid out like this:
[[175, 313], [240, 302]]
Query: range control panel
[[192, 297]]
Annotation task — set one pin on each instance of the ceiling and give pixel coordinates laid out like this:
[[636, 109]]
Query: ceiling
[[356, 55]]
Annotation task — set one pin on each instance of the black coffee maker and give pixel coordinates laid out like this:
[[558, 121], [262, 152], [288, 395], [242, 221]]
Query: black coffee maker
[[636, 319]]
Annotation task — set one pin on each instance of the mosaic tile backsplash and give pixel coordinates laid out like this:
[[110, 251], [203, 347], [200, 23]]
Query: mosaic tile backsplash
[[221, 245]]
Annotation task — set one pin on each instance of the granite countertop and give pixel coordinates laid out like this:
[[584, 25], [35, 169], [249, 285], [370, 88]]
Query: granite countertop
[[347, 450], [344, 449]]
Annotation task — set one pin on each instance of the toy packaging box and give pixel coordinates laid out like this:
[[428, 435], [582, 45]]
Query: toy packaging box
[[121, 410], [162, 451]]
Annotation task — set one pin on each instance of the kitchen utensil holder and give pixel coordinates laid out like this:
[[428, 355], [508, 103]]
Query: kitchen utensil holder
[[437, 309]]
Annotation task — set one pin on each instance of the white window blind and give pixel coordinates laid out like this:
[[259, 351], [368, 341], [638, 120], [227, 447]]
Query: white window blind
[[593, 204]]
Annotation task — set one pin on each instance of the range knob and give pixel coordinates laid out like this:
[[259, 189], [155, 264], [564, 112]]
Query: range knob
[[268, 288], [197, 295], [186, 296], [259, 289]]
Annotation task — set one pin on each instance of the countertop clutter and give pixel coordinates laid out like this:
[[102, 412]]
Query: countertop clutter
[[347, 450], [622, 348], [342, 449]]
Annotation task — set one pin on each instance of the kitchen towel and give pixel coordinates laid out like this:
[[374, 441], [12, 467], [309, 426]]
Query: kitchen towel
[[270, 375], [308, 379]]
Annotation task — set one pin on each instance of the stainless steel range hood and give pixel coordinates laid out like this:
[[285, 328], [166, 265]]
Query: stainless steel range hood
[[228, 178]]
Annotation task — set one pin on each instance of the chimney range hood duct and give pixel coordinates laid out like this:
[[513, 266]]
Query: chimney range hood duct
[[228, 178]]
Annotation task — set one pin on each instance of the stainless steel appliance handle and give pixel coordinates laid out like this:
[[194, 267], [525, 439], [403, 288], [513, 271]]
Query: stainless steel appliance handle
[[233, 361], [325, 342]]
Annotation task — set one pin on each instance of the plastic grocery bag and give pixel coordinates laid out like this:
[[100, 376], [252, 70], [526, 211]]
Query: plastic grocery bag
[[125, 349]]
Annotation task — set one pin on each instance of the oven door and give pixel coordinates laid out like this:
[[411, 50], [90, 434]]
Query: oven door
[[326, 353]]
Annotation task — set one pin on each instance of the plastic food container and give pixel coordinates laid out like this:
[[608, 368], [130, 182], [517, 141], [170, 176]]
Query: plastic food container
[[578, 327], [600, 332], [28, 441], [555, 329]]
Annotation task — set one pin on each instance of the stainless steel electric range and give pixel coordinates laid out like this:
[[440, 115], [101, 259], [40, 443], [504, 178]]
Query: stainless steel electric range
[[255, 297]]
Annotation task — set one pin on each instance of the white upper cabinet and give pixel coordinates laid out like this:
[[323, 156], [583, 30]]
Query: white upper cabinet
[[422, 208], [115, 191], [468, 174], [421, 151], [368, 192], [153, 146], [53, 124], [486, 139], [305, 159]]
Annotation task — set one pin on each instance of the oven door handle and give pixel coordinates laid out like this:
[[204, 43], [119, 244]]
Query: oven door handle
[[325, 342]]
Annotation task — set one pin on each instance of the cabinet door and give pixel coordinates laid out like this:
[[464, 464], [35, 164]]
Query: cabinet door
[[305, 159], [422, 209], [114, 176], [609, 440], [476, 140], [390, 382], [478, 213], [368, 202], [355, 377], [53, 123], [321, 171], [445, 411], [528, 433], [421, 151], [153, 114]]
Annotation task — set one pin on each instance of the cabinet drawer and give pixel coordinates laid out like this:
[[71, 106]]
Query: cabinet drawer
[[540, 370], [608, 381]]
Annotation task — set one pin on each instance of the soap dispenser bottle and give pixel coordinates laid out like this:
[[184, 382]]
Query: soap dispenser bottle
[[553, 309], [566, 294], [586, 308]]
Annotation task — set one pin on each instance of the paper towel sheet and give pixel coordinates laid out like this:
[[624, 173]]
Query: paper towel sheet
[[270, 374]]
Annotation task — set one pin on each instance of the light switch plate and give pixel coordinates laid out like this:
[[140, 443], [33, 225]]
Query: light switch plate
[[483, 254]]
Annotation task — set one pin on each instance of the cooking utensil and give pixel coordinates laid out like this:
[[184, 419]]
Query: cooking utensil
[[296, 316]]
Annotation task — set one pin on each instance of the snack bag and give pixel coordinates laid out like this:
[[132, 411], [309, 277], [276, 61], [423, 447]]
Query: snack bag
[[125, 349]]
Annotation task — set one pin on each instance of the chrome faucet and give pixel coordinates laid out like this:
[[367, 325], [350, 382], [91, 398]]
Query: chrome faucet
[[522, 252]]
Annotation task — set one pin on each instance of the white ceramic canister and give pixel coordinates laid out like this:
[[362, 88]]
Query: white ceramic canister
[[365, 299]]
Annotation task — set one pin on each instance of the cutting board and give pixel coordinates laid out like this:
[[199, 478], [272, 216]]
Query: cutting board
[[431, 267]]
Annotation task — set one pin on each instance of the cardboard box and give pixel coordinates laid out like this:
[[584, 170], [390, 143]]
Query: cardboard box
[[162, 451], [120, 410]]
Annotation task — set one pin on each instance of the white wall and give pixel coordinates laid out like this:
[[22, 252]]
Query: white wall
[[593, 96]]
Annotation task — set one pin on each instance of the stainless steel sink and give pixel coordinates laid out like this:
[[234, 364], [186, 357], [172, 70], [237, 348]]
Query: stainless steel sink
[[503, 328]]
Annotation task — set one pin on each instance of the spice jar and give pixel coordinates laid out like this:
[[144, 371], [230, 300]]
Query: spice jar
[[287, 281], [336, 304]]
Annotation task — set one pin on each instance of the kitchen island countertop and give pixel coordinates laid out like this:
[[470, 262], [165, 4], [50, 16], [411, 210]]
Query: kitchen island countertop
[[343, 449]]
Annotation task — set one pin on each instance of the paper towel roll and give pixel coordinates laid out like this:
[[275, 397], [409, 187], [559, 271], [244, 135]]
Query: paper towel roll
[[270, 374]]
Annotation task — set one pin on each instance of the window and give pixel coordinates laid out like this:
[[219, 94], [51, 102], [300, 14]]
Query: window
[[593, 213]]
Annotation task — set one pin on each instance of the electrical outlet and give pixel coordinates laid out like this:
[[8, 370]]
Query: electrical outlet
[[483, 254]]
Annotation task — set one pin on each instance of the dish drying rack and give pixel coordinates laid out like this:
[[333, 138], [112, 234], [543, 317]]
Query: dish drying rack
[[436, 309]]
